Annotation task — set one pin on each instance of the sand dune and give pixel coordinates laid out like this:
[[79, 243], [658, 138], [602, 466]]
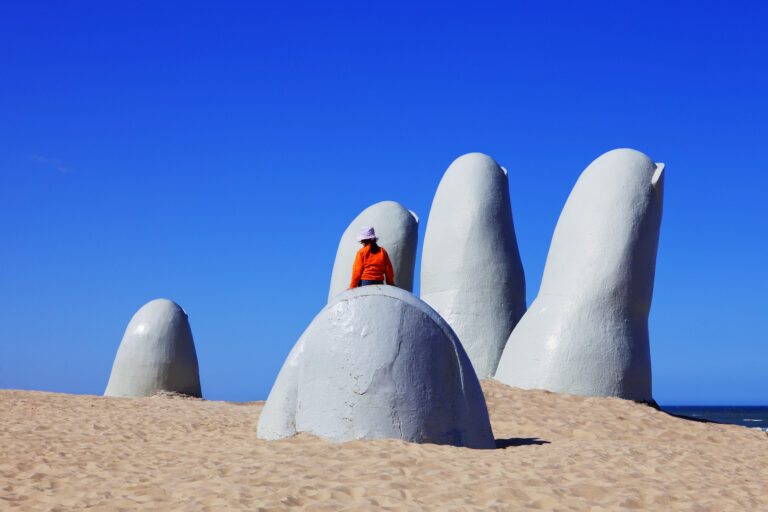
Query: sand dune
[[558, 452]]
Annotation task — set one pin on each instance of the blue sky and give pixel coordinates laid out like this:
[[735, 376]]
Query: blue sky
[[214, 153]]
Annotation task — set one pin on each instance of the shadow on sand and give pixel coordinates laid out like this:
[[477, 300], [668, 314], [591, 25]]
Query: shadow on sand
[[518, 441]]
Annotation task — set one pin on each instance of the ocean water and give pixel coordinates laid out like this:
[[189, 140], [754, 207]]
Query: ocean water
[[755, 416]]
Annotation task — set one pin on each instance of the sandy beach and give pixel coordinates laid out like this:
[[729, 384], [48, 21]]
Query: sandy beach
[[556, 452]]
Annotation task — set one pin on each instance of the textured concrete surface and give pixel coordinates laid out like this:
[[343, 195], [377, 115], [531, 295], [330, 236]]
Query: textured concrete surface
[[471, 271], [377, 362], [157, 353], [587, 331], [397, 230]]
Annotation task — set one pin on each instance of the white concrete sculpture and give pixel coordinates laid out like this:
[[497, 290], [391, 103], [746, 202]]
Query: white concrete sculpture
[[157, 354], [587, 331], [471, 271], [377, 362], [397, 229]]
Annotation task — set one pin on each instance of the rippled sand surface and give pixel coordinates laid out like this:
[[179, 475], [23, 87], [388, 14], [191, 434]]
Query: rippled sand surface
[[556, 452]]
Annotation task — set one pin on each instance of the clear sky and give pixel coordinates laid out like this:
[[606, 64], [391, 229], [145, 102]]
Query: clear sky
[[213, 152]]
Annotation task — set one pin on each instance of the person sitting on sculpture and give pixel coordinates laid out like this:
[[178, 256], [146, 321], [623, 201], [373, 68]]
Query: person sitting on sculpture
[[372, 263]]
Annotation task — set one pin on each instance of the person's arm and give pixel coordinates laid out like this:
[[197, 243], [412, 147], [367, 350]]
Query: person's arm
[[388, 272], [357, 270]]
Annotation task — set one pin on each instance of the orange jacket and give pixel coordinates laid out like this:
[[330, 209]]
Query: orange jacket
[[371, 267]]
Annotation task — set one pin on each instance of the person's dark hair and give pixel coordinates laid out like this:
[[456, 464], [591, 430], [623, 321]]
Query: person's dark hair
[[373, 244]]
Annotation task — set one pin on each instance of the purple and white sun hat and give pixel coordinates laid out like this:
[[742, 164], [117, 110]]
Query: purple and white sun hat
[[366, 233]]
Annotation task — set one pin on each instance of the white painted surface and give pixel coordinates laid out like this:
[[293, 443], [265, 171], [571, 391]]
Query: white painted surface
[[471, 271], [157, 353], [587, 331], [377, 362], [397, 229]]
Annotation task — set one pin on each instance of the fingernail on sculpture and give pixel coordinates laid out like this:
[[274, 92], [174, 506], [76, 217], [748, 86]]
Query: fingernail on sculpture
[[398, 231], [471, 271], [377, 362], [587, 331], [157, 353]]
